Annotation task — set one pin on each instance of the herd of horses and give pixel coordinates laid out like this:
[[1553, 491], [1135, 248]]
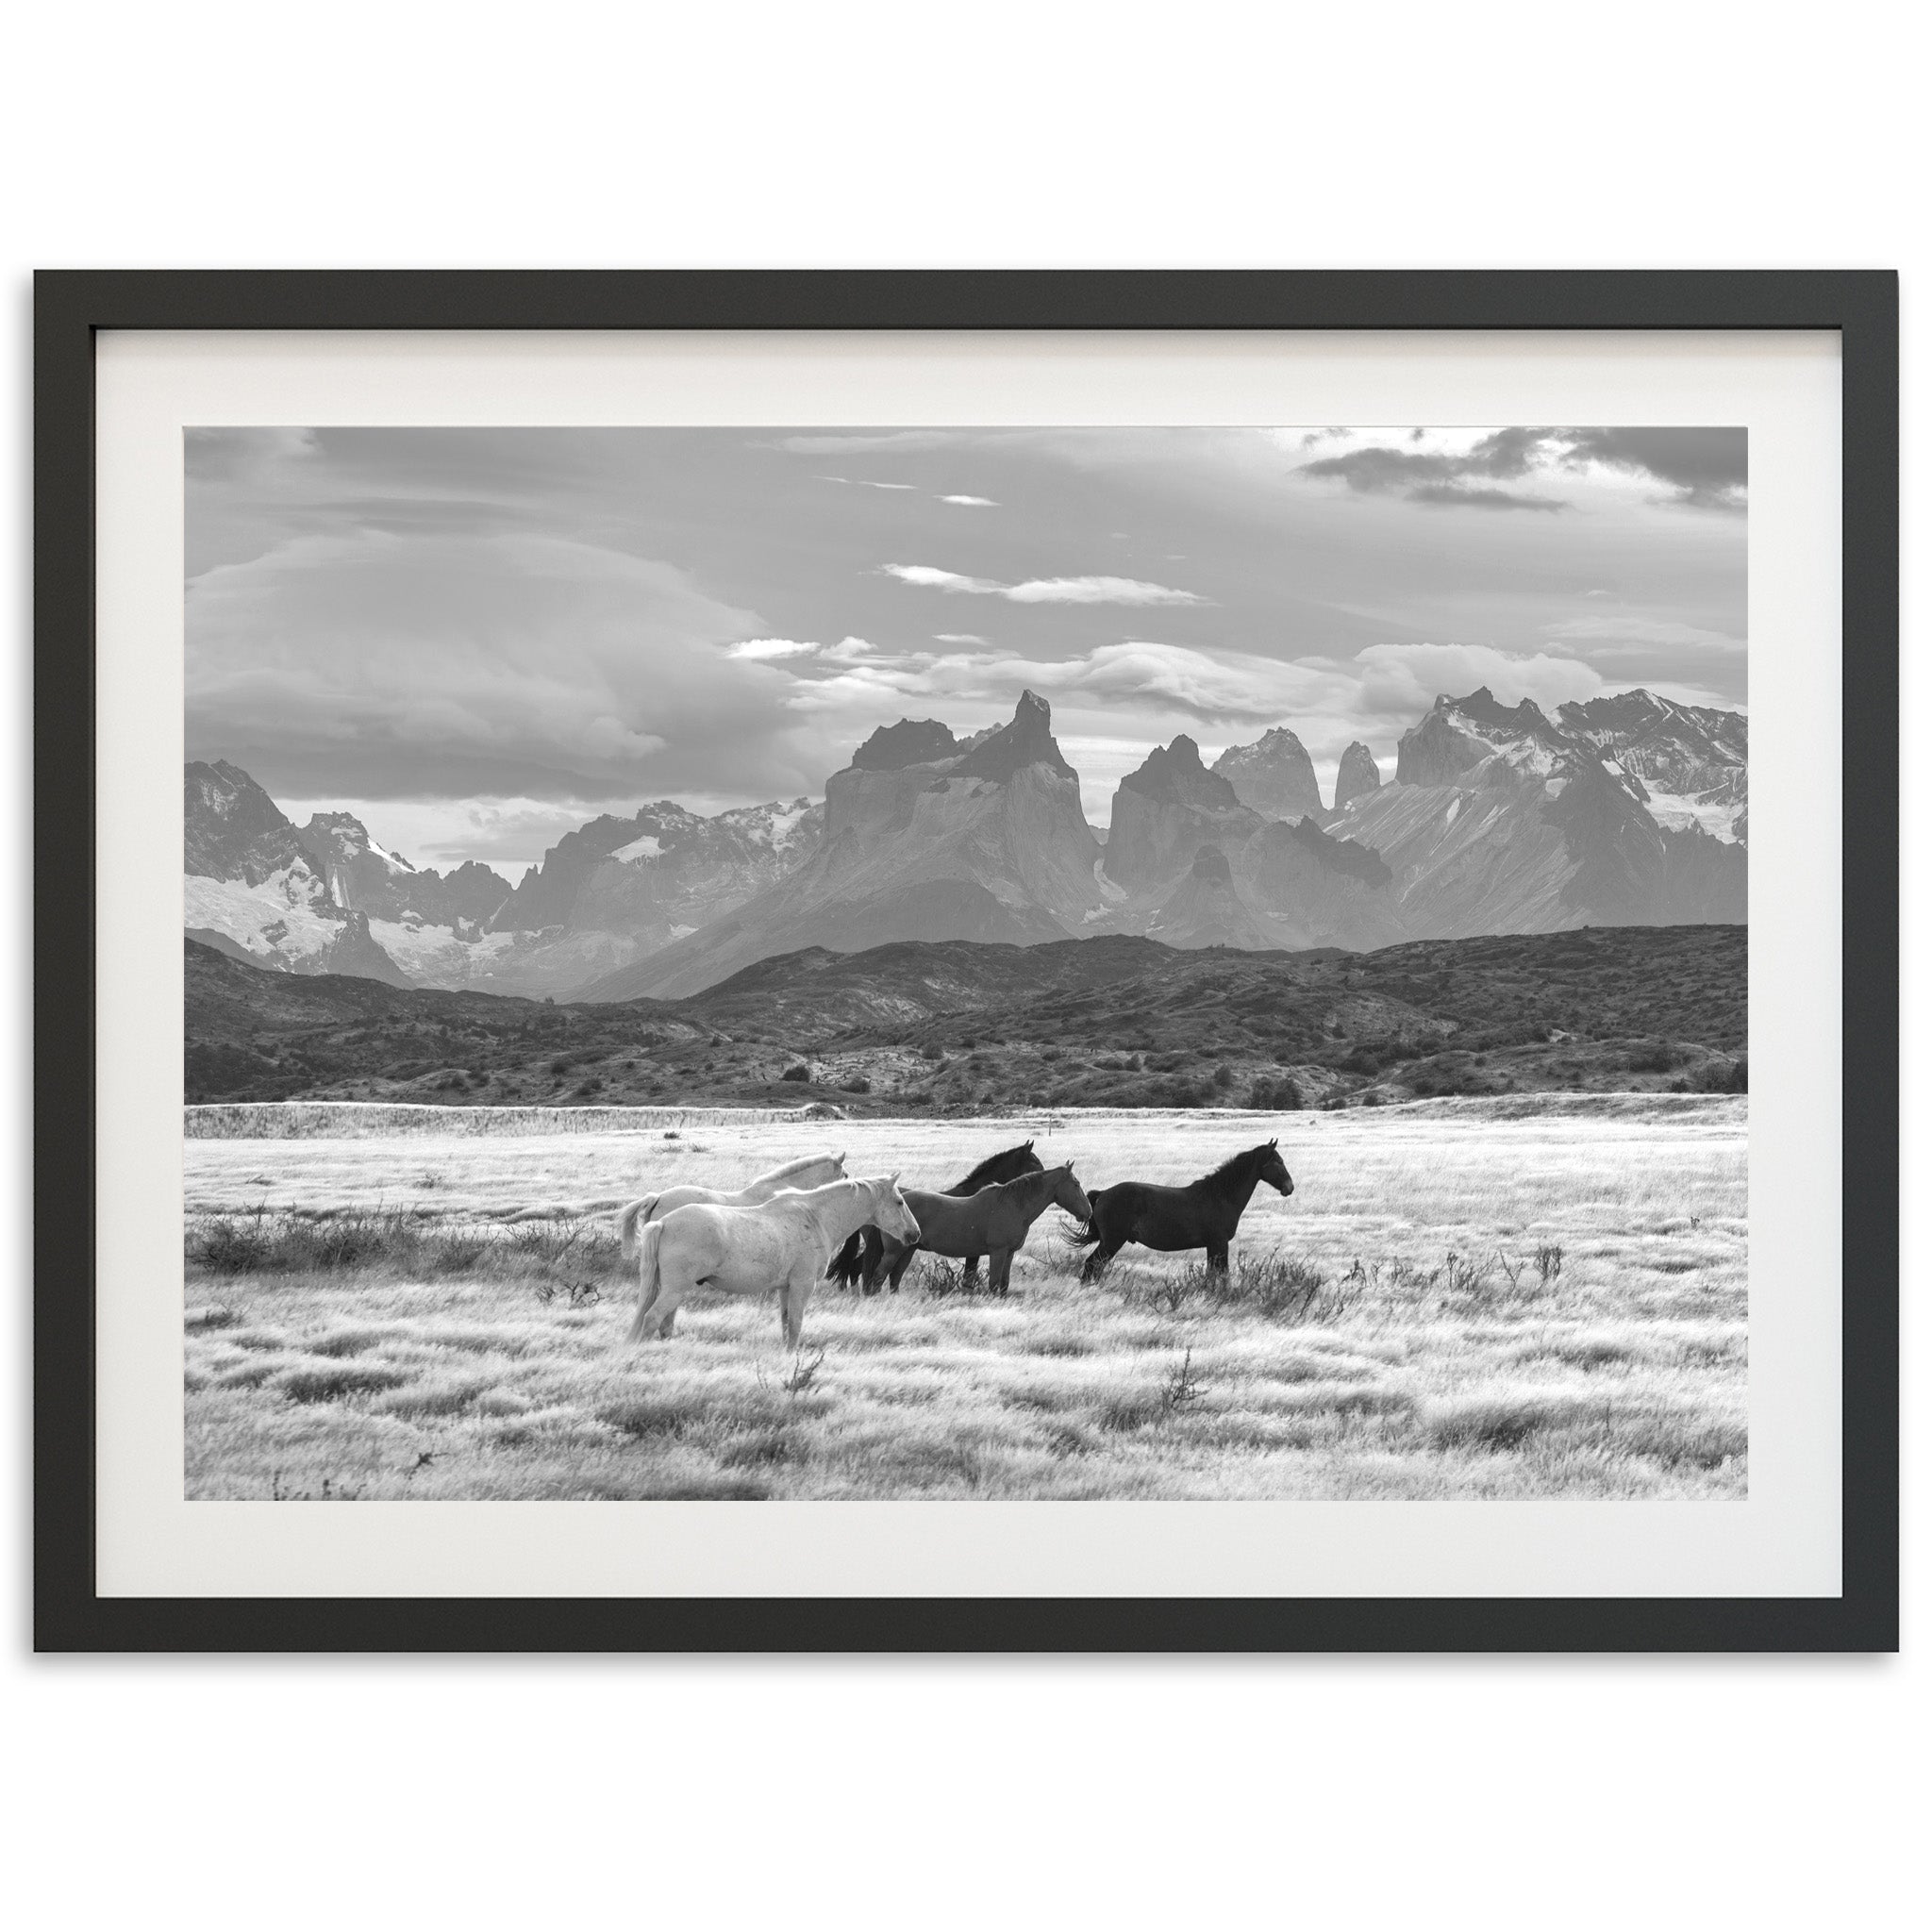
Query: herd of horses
[[781, 1233]]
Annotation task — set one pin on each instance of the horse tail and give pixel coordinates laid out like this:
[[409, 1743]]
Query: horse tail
[[1084, 1234], [647, 1277], [627, 1225], [845, 1263]]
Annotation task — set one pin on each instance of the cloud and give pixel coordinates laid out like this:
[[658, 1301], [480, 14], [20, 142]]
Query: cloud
[[973, 502], [957, 637], [1091, 589], [1704, 468], [1480, 499], [1220, 686], [1399, 682], [770, 647], [379, 665], [1440, 477], [1097, 591], [866, 483], [1708, 468], [931, 578], [1661, 632]]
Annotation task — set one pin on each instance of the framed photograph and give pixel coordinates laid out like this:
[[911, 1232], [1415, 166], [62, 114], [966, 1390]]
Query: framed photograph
[[966, 962]]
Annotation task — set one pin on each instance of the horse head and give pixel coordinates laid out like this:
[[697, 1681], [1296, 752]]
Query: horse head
[[1274, 1169], [891, 1215], [1068, 1193]]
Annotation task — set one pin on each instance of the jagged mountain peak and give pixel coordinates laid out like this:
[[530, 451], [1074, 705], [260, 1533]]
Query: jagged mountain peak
[[1357, 776], [911, 741], [1173, 773], [1483, 708], [342, 837], [1475, 740], [1273, 777], [1028, 739]]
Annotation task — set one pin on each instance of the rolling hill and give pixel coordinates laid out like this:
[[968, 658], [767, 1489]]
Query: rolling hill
[[1111, 1021]]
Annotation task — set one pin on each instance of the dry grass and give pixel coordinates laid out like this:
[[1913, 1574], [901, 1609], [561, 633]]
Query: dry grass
[[1455, 1303]]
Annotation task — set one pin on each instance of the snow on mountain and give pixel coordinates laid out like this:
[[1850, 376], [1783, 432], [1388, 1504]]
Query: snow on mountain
[[1500, 818], [249, 885], [1689, 761]]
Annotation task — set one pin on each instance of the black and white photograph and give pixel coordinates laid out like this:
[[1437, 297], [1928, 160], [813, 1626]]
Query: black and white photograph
[[966, 963]]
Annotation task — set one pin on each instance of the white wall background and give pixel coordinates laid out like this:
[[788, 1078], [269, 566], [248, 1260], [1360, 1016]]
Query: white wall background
[[428, 1792]]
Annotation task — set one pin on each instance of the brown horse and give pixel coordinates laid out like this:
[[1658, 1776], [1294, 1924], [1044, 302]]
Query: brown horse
[[993, 1223], [859, 1258], [1202, 1214]]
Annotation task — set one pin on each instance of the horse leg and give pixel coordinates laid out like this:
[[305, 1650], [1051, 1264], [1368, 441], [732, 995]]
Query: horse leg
[[901, 1261], [1097, 1261], [1217, 1258], [999, 1271], [663, 1309], [969, 1275], [792, 1313]]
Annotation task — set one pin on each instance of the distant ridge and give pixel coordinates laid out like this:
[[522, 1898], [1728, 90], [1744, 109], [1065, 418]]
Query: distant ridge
[[1116, 1020]]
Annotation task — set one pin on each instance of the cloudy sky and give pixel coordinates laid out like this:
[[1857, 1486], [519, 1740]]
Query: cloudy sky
[[477, 639]]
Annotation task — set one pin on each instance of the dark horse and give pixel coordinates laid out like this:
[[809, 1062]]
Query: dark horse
[[992, 1222], [859, 1260], [1202, 1214]]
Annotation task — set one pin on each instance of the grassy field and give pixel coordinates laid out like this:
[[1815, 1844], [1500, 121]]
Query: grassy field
[[1463, 1298]]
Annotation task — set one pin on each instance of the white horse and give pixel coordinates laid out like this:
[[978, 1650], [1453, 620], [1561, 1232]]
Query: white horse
[[810, 1170], [781, 1245]]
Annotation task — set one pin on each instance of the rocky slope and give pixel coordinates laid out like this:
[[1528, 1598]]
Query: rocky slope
[[1165, 811], [925, 837], [1503, 819], [1626, 811], [1357, 776], [1687, 764], [251, 888], [1273, 777], [311, 898], [1311, 889]]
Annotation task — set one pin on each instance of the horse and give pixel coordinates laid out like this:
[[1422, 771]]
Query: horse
[[992, 1222], [1202, 1214], [777, 1246], [809, 1171], [859, 1260]]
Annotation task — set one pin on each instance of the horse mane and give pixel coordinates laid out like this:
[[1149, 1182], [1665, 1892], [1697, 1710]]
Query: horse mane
[[791, 1167], [1234, 1163], [978, 1177]]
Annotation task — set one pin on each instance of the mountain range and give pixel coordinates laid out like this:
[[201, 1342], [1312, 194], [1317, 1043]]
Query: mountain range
[[1626, 811]]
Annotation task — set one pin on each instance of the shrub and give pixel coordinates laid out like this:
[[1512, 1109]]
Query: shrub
[[857, 1084], [1275, 1096], [796, 1073]]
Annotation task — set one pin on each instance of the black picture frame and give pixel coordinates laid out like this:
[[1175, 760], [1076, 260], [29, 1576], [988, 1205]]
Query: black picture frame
[[72, 307]]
